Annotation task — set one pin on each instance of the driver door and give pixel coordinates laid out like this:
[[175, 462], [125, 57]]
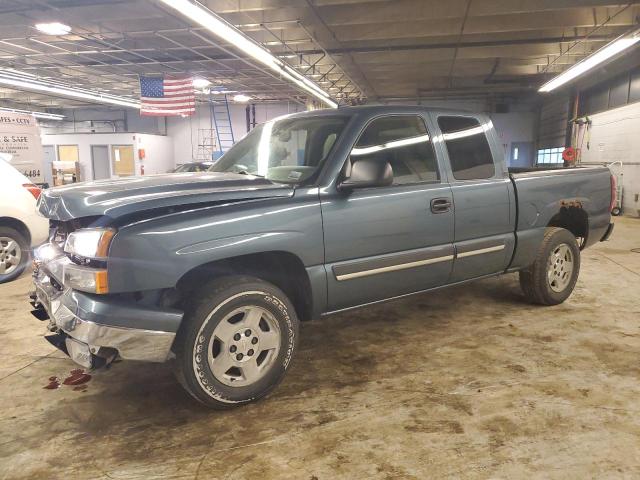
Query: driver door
[[382, 242]]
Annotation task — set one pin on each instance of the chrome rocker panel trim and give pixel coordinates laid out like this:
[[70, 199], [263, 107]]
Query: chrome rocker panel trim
[[393, 268], [418, 262]]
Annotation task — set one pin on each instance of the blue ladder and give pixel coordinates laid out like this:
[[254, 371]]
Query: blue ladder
[[221, 121]]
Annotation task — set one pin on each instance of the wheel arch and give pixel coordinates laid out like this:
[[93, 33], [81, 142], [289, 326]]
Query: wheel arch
[[16, 224], [573, 218], [281, 268]]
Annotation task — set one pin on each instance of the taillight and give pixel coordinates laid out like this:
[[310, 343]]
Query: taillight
[[33, 190], [614, 192]]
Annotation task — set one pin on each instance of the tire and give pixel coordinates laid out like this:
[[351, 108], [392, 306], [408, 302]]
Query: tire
[[14, 254], [236, 341], [554, 273], [616, 211]]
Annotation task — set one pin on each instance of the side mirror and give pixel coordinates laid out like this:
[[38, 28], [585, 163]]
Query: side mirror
[[367, 172]]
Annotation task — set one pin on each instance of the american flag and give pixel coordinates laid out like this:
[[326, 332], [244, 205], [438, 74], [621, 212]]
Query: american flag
[[163, 97]]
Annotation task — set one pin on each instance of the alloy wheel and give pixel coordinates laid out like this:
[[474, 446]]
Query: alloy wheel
[[243, 346], [560, 268], [10, 255]]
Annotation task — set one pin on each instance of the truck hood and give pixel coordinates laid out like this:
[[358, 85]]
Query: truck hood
[[116, 198]]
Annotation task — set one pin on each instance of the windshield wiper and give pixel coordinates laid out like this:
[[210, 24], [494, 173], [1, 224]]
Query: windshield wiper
[[244, 172]]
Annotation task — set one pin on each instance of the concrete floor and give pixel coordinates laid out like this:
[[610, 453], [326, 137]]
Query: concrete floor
[[468, 382]]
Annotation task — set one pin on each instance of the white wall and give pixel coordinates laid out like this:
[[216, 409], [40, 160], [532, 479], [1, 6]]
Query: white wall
[[159, 157], [185, 131], [158, 149], [615, 137]]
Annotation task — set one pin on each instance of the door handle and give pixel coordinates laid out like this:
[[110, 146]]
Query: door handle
[[440, 205]]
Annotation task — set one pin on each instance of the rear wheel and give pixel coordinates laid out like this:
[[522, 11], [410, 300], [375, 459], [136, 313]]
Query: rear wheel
[[554, 273], [236, 342], [14, 254]]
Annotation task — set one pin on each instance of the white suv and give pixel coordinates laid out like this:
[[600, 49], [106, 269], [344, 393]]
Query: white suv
[[20, 225]]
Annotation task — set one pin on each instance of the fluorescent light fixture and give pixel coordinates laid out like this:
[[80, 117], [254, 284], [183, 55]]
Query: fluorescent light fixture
[[222, 92], [200, 82], [43, 115], [219, 27], [240, 98], [54, 28], [596, 58], [26, 81]]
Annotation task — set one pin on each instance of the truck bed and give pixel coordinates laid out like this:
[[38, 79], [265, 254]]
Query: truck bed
[[543, 192]]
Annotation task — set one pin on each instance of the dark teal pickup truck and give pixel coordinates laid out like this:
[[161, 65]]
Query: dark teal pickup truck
[[308, 215]]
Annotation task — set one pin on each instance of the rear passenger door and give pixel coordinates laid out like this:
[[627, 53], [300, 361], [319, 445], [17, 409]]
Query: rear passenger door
[[382, 242], [484, 220]]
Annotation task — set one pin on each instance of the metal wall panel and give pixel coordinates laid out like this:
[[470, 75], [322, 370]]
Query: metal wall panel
[[554, 117]]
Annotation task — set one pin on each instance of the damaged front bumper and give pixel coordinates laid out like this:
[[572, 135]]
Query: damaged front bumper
[[92, 328]]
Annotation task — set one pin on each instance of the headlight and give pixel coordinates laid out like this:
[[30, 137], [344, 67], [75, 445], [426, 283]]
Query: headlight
[[89, 242], [85, 279], [46, 252]]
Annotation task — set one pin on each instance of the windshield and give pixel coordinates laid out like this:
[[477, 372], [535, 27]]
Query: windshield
[[290, 150]]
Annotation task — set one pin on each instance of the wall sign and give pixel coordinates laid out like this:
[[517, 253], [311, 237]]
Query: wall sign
[[20, 143]]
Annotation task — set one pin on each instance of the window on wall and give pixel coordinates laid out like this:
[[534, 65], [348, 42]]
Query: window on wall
[[68, 153], [404, 142], [550, 155], [123, 160], [469, 151]]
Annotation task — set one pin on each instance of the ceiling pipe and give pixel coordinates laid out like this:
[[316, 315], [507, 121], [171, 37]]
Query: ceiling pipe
[[437, 46]]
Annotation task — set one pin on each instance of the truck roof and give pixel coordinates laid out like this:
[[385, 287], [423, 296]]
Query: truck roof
[[380, 109]]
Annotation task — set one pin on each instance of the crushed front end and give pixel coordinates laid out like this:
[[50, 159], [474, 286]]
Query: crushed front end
[[86, 322]]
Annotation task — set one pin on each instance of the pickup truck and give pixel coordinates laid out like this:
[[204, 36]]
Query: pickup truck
[[308, 215]]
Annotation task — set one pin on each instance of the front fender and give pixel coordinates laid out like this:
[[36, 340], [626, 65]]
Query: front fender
[[156, 253]]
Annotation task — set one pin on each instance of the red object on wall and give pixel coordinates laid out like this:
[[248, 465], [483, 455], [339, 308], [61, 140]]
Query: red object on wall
[[141, 153], [569, 155]]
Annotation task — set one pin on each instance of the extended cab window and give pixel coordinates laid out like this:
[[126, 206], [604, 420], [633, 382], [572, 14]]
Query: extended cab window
[[404, 142], [469, 151]]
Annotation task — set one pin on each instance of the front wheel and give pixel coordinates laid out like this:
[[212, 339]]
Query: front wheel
[[554, 273], [236, 342]]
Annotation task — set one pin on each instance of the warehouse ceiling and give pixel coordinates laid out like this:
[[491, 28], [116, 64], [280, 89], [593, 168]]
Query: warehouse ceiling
[[379, 50]]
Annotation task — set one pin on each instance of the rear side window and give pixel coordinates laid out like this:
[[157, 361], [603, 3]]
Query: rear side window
[[404, 142], [468, 148]]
